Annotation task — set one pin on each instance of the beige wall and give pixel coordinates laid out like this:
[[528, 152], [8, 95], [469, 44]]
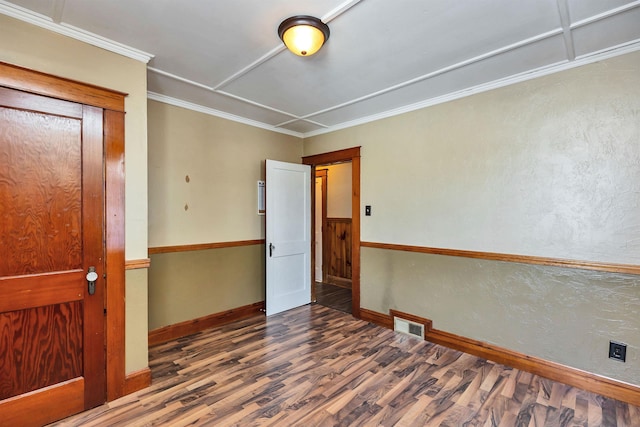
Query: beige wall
[[32, 47], [224, 160], [547, 167], [189, 285], [137, 333], [564, 315], [338, 190]]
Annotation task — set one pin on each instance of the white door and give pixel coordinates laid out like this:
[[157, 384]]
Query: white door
[[288, 236]]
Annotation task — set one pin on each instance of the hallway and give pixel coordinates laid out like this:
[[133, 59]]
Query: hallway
[[333, 296]]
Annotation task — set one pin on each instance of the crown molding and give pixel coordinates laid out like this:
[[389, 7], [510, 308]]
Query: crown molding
[[42, 21], [605, 14], [217, 113], [45, 22], [518, 78], [507, 81]]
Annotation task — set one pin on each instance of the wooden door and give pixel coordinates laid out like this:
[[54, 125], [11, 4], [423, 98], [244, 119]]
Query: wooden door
[[52, 338], [288, 236]]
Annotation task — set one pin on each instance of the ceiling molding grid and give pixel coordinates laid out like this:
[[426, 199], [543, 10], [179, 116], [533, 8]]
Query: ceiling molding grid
[[565, 31]]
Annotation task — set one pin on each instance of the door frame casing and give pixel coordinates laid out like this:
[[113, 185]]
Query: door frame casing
[[322, 174], [112, 102], [342, 156]]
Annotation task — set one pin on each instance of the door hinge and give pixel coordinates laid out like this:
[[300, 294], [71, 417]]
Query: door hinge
[[105, 311]]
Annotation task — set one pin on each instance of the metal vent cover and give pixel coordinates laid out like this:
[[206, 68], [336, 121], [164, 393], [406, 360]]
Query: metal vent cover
[[408, 327]]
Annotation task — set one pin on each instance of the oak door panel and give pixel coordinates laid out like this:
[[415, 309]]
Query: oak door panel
[[52, 351], [43, 347], [41, 190], [338, 242]]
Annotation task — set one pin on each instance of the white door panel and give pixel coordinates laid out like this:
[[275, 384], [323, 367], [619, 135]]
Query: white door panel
[[288, 229]]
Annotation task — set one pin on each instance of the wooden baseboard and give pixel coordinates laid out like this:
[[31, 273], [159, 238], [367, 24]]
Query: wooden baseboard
[[379, 319], [137, 381], [178, 330], [343, 282], [588, 381]]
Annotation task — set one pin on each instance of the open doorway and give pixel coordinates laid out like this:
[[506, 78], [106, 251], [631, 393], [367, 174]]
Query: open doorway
[[333, 236], [319, 162]]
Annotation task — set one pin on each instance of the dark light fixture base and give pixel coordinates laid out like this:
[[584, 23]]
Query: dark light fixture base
[[320, 37]]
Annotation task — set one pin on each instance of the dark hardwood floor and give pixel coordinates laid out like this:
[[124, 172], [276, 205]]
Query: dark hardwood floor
[[315, 366], [333, 296]]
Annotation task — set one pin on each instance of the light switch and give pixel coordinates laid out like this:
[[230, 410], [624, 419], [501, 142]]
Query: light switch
[[367, 210]]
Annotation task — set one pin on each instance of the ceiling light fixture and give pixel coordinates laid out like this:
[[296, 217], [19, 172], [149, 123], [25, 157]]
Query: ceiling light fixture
[[303, 35]]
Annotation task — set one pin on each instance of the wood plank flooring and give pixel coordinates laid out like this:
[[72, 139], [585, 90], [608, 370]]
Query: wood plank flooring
[[315, 366], [333, 296]]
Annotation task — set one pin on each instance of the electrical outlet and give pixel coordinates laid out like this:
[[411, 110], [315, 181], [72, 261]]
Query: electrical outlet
[[617, 351]]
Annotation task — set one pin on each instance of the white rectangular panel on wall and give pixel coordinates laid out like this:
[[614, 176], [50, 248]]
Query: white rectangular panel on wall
[[261, 200]]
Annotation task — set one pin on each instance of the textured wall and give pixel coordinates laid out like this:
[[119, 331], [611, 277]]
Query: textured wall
[[188, 285], [548, 167], [339, 190], [223, 159], [137, 332], [564, 315]]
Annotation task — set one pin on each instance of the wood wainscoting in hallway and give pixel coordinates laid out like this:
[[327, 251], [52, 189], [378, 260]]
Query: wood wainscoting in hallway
[[315, 366]]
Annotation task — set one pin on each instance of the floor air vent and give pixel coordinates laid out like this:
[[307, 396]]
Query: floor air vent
[[408, 327]]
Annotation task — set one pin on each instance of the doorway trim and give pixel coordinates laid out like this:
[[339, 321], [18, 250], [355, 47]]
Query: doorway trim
[[322, 175], [347, 155], [112, 102]]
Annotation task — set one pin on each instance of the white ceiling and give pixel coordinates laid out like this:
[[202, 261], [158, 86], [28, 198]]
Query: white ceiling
[[383, 57]]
